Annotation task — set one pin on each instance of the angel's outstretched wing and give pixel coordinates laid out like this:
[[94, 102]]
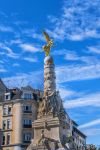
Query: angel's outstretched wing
[[46, 36]]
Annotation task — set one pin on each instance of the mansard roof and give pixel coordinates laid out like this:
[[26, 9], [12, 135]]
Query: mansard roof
[[16, 93], [3, 88]]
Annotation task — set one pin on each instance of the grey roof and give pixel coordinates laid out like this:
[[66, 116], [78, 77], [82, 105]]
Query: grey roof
[[3, 89], [79, 132], [16, 93], [27, 88]]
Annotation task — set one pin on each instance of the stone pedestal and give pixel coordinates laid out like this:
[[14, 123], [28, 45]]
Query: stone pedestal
[[49, 133]]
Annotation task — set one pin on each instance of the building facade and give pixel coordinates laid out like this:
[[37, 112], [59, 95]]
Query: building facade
[[78, 137], [91, 147], [18, 108]]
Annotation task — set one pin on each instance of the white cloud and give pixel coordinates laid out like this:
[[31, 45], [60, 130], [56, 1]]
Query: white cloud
[[86, 100], [30, 48], [9, 52], [16, 65], [59, 52], [2, 62], [70, 55], [6, 28], [2, 70], [24, 79], [76, 21], [77, 72], [30, 59], [89, 124], [16, 41], [94, 49], [64, 92], [33, 34], [92, 132]]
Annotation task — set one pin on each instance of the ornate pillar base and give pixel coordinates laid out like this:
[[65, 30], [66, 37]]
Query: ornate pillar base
[[48, 134]]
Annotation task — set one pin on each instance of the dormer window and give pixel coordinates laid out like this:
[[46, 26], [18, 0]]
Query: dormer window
[[27, 95], [7, 96]]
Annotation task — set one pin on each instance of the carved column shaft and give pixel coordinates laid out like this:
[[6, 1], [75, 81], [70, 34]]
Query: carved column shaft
[[49, 75]]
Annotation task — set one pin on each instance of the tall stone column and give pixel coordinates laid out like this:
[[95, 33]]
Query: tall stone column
[[49, 76], [52, 123]]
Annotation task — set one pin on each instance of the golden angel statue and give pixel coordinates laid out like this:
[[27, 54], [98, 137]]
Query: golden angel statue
[[49, 44]]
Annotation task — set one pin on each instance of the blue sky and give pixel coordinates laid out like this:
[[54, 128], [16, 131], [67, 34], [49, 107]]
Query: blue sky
[[75, 28]]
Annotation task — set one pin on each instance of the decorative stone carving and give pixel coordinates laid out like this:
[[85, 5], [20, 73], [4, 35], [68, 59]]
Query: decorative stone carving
[[52, 124]]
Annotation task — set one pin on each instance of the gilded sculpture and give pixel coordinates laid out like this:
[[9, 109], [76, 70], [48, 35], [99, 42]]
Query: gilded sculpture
[[49, 44]]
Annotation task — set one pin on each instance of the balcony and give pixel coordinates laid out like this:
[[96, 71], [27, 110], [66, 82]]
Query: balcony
[[27, 142], [27, 126], [27, 111]]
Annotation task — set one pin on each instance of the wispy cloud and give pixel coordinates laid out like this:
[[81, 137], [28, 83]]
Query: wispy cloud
[[92, 132], [9, 52], [24, 79], [70, 55], [1, 62], [16, 65], [30, 48], [76, 21], [2, 70], [89, 124], [65, 92], [6, 28], [86, 100], [16, 41], [30, 59], [77, 72], [94, 49], [33, 34]]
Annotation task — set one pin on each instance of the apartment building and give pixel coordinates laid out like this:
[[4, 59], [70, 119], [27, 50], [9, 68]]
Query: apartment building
[[78, 137], [18, 109], [0, 138], [91, 147]]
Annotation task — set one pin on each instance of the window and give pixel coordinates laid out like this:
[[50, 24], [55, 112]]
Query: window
[[7, 96], [28, 96], [9, 110], [27, 123], [27, 108], [8, 138], [8, 124], [3, 140], [4, 124], [5, 110], [27, 137]]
